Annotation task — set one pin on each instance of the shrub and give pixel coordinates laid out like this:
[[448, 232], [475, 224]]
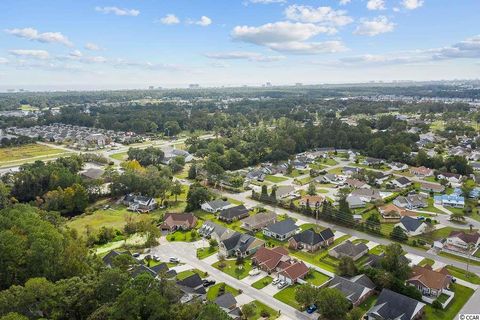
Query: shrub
[[264, 313], [436, 305]]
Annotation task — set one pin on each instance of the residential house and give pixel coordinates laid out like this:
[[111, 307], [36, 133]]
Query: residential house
[[398, 166], [349, 171], [178, 221], [475, 166], [300, 165], [381, 177], [258, 221], [139, 203], [421, 172], [257, 175], [367, 195], [453, 178], [430, 282], [355, 202], [312, 201], [331, 178], [240, 245], [450, 200], [462, 241], [284, 192], [392, 212], [391, 305], [311, 240], [412, 226], [278, 261], [411, 201], [232, 214], [170, 154], [139, 269], [215, 231], [373, 161], [228, 303], [356, 290], [349, 249], [281, 230], [356, 184], [431, 187], [401, 182], [192, 289], [109, 258], [215, 205]]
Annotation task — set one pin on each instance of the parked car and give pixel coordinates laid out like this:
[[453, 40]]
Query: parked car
[[275, 281], [282, 284], [174, 260], [311, 309], [136, 255], [254, 272], [207, 283], [156, 258]]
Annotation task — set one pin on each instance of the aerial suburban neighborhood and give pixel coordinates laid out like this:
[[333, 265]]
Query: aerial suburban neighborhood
[[245, 159]]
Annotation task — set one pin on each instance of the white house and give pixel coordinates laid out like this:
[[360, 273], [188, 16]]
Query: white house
[[215, 205], [412, 226]]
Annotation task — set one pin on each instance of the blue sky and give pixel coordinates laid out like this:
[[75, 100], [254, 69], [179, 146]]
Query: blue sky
[[87, 44]]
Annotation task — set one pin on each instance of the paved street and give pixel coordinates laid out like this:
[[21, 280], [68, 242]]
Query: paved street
[[187, 254]]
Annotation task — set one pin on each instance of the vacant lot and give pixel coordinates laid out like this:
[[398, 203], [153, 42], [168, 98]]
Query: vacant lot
[[9, 155]]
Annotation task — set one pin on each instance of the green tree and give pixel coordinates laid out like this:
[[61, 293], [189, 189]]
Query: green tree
[[395, 262], [197, 195], [211, 311], [332, 304], [347, 267], [192, 172], [248, 310], [4, 195], [398, 234], [306, 294], [176, 189], [311, 189]]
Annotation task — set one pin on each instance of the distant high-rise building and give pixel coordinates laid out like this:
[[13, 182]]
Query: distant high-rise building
[[268, 84], [194, 86], [151, 87]]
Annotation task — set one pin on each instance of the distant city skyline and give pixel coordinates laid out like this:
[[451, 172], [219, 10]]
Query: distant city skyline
[[120, 44]]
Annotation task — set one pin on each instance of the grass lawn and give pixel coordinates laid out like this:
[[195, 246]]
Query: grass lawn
[[27, 107], [295, 173], [315, 259], [330, 162], [287, 296], [426, 262], [369, 303], [316, 278], [335, 170], [212, 292], [122, 156], [233, 270], [185, 274], [315, 227], [261, 307], [377, 250], [262, 283], [463, 274], [356, 241], [11, 154], [459, 258], [305, 180], [203, 253], [185, 236], [438, 234], [442, 298], [204, 216], [431, 207], [275, 179], [462, 294], [322, 191]]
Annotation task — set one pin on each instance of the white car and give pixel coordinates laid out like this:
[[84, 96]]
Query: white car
[[275, 281], [281, 284], [174, 260], [254, 272]]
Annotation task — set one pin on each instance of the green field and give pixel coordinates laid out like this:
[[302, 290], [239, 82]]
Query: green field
[[316, 278], [26, 152], [275, 179], [261, 307], [119, 156], [212, 292], [262, 283], [203, 253], [462, 294], [287, 296], [238, 272]]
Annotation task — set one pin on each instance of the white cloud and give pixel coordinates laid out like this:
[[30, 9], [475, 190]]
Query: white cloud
[[118, 11], [376, 5], [344, 2], [92, 46], [204, 21], [375, 26], [323, 15], [412, 4], [35, 54], [3, 60], [243, 55], [170, 19], [45, 37], [285, 36], [76, 53]]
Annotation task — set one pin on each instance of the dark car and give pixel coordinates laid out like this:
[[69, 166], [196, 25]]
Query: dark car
[[208, 283], [311, 309]]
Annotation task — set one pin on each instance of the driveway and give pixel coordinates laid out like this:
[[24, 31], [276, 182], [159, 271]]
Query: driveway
[[270, 289], [212, 259], [249, 279]]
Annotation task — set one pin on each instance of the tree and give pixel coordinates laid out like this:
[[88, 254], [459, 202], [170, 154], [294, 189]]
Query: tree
[[311, 189], [176, 190], [344, 213], [192, 172], [273, 194], [355, 314], [395, 262], [197, 194], [346, 267], [306, 294], [211, 311], [457, 216], [398, 234], [4, 195], [467, 188], [248, 310], [373, 222], [332, 304]]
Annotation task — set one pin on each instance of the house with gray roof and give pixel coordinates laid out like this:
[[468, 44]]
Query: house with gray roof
[[311, 240], [215, 205], [356, 289], [259, 220], [232, 214], [411, 201], [349, 249], [228, 303], [210, 229], [412, 226], [392, 305], [240, 245], [281, 230]]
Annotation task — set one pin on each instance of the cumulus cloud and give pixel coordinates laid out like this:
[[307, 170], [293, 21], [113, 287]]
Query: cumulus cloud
[[412, 4], [374, 26], [45, 37], [92, 46], [286, 36], [118, 11], [322, 15], [376, 5], [344, 2], [170, 19], [76, 53], [243, 55], [204, 21], [35, 54]]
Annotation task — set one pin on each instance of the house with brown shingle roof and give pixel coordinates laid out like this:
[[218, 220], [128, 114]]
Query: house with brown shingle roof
[[294, 272], [313, 201], [357, 184], [421, 171], [429, 282], [178, 221], [392, 212], [460, 240], [259, 221]]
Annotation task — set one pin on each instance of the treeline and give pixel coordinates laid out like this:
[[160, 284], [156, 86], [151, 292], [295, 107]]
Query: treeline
[[46, 272], [16, 141]]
